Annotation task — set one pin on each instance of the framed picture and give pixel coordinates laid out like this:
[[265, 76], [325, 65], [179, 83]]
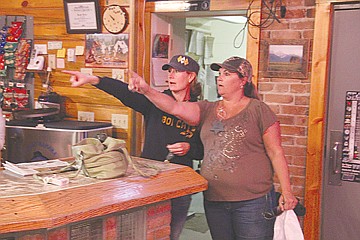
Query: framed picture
[[107, 50], [82, 16], [161, 46], [285, 58]]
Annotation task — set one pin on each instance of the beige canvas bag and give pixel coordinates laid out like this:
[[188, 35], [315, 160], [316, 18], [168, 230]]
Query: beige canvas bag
[[106, 160]]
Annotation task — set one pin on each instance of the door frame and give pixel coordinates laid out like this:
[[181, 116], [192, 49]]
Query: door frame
[[142, 36], [317, 110], [225, 7]]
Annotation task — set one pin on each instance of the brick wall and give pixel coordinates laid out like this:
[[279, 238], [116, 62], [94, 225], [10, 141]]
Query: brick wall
[[158, 218], [289, 97], [152, 221]]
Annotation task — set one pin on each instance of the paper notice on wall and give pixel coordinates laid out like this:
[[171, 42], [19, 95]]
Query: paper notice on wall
[[54, 45], [79, 50], [60, 63], [61, 53], [41, 48], [159, 76]]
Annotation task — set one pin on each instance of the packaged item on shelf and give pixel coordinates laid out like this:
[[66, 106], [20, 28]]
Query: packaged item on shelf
[[2, 66], [14, 32], [9, 55], [8, 98], [21, 97], [22, 59]]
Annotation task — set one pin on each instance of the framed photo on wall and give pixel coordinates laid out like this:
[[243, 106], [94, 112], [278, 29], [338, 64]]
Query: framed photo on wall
[[161, 46], [82, 16], [286, 58], [107, 50]]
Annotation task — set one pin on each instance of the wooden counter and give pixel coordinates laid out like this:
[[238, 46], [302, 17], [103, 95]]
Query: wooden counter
[[28, 204]]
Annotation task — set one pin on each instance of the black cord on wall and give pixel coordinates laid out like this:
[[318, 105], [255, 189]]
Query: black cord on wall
[[268, 12]]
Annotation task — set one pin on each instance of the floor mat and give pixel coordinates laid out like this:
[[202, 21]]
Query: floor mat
[[197, 223]]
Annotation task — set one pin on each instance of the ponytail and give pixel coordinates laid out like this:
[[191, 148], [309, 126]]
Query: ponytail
[[250, 90]]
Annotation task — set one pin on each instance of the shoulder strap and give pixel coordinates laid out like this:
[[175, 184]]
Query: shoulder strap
[[136, 165]]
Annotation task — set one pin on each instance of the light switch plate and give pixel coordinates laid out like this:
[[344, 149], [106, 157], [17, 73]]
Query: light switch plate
[[86, 116], [120, 120], [71, 55], [88, 71], [52, 61], [118, 74]]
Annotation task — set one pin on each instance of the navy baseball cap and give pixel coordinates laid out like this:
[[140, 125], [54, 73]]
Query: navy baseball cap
[[182, 63]]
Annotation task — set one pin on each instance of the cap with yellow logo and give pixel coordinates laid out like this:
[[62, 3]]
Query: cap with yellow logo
[[182, 63]]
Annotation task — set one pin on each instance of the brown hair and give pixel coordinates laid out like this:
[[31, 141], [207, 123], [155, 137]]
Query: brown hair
[[195, 88], [249, 88]]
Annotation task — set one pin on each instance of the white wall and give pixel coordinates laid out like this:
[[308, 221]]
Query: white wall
[[224, 33], [175, 27]]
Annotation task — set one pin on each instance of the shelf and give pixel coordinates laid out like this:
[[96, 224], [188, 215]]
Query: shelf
[[36, 71]]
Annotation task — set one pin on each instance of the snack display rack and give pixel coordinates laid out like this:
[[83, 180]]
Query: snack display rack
[[16, 82]]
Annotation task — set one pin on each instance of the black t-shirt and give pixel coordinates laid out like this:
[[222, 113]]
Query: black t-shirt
[[161, 128]]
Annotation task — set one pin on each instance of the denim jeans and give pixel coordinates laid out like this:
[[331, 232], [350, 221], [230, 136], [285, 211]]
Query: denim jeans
[[179, 210], [241, 220]]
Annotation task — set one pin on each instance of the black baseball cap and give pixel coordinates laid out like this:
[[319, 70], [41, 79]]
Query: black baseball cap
[[182, 63]]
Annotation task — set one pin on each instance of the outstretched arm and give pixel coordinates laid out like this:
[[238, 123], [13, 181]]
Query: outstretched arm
[[272, 140], [78, 79], [114, 87], [187, 111]]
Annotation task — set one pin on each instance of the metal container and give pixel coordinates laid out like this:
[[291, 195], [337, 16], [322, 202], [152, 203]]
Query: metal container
[[26, 143]]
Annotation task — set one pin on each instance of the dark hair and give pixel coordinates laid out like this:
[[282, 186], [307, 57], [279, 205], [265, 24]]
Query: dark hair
[[195, 90], [250, 90]]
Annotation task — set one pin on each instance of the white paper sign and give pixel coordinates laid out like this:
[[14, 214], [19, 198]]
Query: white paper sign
[[60, 63], [41, 48], [54, 45]]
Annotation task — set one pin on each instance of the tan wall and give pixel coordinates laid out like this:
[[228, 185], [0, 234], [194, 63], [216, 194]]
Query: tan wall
[[49, 25]]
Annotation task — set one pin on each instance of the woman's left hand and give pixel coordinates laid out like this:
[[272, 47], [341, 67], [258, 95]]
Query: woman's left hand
[[180, 148], [287, 201]]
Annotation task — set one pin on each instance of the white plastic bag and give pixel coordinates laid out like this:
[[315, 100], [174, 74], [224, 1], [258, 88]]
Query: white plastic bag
[[287, 227]]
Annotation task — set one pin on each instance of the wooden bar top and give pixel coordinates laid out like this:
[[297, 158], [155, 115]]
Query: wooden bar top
[[27, 203]]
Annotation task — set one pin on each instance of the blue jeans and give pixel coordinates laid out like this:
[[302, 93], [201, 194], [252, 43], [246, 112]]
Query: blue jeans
[[241, 220], [179, 210]]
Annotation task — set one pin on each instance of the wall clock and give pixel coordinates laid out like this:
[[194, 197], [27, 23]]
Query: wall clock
[[115, 19]]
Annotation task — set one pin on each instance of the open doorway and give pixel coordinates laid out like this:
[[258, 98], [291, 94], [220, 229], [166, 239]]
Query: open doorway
[[214, 39], [207, 39]]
